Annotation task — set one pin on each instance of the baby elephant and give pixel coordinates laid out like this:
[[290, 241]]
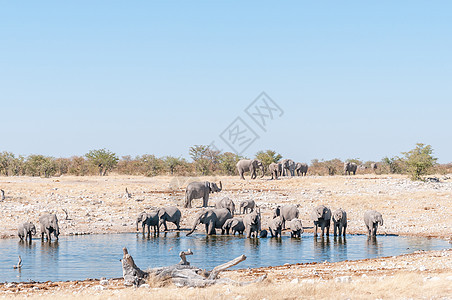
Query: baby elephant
[[49, 225], [372, 219], [296, 228], [26, 230], [275, 227], [339, 221], [235, 225], [149, 219], [247, 206]]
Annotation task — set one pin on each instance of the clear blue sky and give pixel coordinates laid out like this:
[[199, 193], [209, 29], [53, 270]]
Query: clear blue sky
[[355, 79]]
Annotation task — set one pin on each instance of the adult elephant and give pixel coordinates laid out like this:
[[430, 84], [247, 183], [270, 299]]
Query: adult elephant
[[226, 203], [250, 165], [49, 225], [274, 169], [169, 214], [288, 167], [350, 167], [301, 168], [321, 215], [372, 219], [196, 190], [252, 222], [339, 221], [212, 218], [287, 213]]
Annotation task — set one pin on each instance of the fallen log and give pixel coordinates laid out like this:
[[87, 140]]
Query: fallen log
[[181, 274]]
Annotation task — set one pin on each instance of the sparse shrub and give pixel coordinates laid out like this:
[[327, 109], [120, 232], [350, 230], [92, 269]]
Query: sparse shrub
[[228, 162], [173, 164], [419, 161], [105, 160], [40, 165], [203, 158], [393, 165], [151, 165]]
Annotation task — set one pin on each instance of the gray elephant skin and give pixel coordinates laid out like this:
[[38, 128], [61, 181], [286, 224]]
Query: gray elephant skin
[[350, 168], [274, 169], [49, 225], [246, 206], [339, 222], [275, 227], [301, 169], [234, 225], [249, 165], [287, 212], [252, 222], [169, 214], [148, 220], [296, 228], [213, 219], [196, 190], [26, 230], [226, 203], [288, 167], [321, 215], [372, 219]]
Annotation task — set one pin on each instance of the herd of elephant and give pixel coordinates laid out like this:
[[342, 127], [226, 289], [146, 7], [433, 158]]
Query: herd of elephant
[[284, 217], [286, 167]]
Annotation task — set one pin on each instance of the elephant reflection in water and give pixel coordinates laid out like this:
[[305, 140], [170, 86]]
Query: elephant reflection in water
[[322, 244], [340, 240], [372, 245]]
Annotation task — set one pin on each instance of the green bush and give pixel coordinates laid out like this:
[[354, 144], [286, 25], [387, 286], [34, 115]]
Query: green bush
[[419, 161], [105, 160]]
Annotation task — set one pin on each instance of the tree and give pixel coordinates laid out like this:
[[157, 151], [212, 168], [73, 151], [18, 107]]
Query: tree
[[172, 163], [419, 160], [40, 165], [267, 157], [104, 159], [204, 158], [151, 165], [393, 164], [228, 162], [6, 161]]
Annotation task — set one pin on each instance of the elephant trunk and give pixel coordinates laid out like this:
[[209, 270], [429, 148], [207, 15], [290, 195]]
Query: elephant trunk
[[221, 186], [263, 171], [193, 228]]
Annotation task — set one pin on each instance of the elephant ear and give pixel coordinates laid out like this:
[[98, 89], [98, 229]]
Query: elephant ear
[[314, 215], [233, 222], [327, 215], [161, 212]]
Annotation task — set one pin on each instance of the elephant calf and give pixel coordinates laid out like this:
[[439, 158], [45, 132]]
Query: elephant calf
[[149, 219], [247, 206], [372, 219], [321, 215], [275, 227], [340, 222], [49, 225], [274, 169], [287, 213], [252, 222], [169, 214], [235, 225], [26, 230], [226, 203], [296, 228]]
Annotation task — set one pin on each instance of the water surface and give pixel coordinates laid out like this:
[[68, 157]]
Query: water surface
[[96, 256]]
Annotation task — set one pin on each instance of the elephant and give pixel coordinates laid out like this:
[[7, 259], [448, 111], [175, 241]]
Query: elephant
[[288, 167], [340, 221], [321, 215], [252, 222], [226, 203], [235, 224], [249, 165], [372, 219], [287, 213], [274, 169], [212, 218], [350, 168], [26, 230], [49, 224], [301, 168], [263, 233], [275, 226], [149, 219], [296, 228], [246, 206], [169, 214], [196, 190], [374, 166]]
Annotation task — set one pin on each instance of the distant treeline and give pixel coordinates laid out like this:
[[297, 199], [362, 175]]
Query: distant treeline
[[204, 161]]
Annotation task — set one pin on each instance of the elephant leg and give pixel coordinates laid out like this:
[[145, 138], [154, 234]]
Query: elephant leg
[[315, 230], [42, 236], [177, 223], [344, 230], [241, 174], [328, 230], [335, 230], [205, 200], [323, 230], [49, 238]]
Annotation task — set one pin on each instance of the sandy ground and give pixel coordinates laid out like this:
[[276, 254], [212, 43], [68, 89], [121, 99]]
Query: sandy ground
[[98, 205]]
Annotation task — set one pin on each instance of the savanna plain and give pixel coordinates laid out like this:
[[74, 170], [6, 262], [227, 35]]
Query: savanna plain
[[98, 205]]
